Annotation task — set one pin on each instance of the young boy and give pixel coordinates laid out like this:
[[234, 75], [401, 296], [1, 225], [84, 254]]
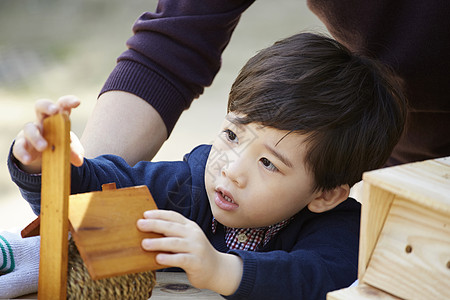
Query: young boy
[[264, 212]]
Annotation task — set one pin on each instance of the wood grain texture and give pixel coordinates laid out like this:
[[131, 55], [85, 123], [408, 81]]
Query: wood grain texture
[[426, 182], [412, 256], [362, 291], [54, 208], [175, 285], [103, 225], [376, 204]]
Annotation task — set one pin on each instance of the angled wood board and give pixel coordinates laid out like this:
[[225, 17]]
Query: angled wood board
[[103, 225]]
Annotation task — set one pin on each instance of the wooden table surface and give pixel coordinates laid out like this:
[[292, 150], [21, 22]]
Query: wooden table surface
[[170, 285], [176, 286]]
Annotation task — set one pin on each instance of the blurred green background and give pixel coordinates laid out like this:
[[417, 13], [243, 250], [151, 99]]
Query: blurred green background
[[50, 48]]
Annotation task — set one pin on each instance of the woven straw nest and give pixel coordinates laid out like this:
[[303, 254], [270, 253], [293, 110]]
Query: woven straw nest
[[81, 286]]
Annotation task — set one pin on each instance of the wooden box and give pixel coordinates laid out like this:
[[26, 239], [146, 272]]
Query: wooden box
[[405, 234]]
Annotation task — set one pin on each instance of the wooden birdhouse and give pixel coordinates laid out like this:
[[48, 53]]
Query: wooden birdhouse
[[405, 234], [102, 223]]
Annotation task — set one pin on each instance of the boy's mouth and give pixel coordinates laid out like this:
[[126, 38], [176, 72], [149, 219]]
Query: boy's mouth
[[224, 200], [225, 194], [227, 198]]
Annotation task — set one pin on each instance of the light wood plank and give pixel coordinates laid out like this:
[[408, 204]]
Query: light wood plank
[[426, 182], [376, 203], [54, 208], [362, 291]]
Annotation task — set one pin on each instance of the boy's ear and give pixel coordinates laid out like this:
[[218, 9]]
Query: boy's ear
[[327, 200]]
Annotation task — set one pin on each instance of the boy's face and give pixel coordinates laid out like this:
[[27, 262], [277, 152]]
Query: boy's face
[[255, 176]]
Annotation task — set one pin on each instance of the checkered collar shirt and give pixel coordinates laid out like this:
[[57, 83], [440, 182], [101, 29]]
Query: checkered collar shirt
[[249, 238]]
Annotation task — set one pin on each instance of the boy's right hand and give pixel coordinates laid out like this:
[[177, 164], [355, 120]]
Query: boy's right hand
[[29, 143]]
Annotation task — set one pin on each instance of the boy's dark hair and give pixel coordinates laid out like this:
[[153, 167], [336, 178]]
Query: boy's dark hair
[[351, 107]]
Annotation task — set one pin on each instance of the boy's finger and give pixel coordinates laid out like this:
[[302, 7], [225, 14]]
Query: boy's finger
[[180, 260], [20, 151], [166, 244], [163, 227], [167, 215], [45, 108], [32, 134], [66, 103]]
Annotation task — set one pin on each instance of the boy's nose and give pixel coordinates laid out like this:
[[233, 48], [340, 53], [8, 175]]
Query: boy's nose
[[236, 172]]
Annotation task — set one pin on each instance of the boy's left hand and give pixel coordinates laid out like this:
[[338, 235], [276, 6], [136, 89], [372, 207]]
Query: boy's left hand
[[189, 249], [30, 143]]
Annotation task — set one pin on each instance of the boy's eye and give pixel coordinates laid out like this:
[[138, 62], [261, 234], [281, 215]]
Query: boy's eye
[[231, 136], [268, 164]]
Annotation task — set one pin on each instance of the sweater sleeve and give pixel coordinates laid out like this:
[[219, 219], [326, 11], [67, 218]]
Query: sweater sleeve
[[323, 258], [176, 185], [29, 184], [175, 52]]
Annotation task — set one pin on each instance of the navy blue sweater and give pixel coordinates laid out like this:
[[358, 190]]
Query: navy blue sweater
[[314, 254]]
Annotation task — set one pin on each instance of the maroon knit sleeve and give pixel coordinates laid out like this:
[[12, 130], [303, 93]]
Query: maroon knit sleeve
[[175, 52]]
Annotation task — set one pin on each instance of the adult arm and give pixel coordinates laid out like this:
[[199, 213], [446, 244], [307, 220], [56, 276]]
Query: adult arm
[[173, 54], [126, 125]]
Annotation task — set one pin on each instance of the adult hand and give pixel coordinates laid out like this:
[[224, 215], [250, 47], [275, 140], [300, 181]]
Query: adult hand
[[187, 247]]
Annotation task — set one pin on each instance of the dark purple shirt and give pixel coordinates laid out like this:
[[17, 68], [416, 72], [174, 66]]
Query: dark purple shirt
[[176, 52]]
